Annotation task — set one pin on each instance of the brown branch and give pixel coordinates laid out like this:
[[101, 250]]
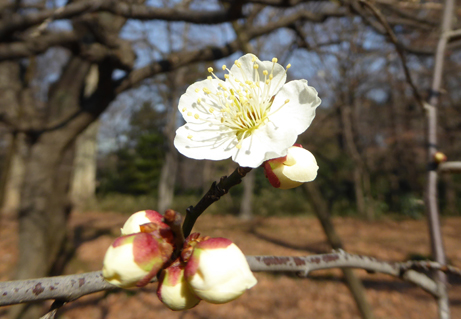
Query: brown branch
[[179, 59], [214, 194], [36, 45], [71, 287], [19, 22], [398, 48]]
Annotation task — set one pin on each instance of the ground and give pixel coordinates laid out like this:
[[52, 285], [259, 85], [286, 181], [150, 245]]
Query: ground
[[322, 295]]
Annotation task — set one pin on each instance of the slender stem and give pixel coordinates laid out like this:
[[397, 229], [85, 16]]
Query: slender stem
[[431, 182], [214, 194]]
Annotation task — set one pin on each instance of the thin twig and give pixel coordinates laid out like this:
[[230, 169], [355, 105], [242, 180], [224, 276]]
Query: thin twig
[[214, 193], [58, 303], [398, 48]]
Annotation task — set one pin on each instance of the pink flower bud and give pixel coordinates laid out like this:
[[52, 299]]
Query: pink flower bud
[[173, 289], [297, 167], [133, 260], [218, 272], [135, 221]]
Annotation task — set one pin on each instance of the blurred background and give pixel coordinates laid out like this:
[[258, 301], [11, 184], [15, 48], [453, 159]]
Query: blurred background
[[88, 112]]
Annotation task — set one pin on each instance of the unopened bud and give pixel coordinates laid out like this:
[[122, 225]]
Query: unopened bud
[[133, 260], [439, 157], [297, 167], [173, 289], [218, 272]]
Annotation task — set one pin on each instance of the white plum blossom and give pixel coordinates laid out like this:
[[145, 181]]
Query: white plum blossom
[[251, 116]]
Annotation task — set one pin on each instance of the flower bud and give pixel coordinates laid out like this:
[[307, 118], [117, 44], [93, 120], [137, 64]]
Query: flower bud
[[135, 221], [217, 271], [297, 167], [173, 289], [439, 157], [133, 260]]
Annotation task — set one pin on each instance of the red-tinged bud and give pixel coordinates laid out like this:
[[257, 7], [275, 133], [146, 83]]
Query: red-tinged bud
[[439, 157], [133, 223], [148, 221], [297, 167], [217, 271], [173, 289], [133, 260]]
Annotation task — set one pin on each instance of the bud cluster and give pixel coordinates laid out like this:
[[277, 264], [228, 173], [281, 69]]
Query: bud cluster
[[210, 269]]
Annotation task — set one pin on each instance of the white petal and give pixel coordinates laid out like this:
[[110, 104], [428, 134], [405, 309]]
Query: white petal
[[305, 169], [300, 110], [247, 72], [119, 267], [213, 142], [267, 142], [223, 275], [132, 224], [179, 296], [190, 108]]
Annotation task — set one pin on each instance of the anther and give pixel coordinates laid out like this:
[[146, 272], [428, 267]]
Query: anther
[[265, 72], [189, 137], [196, 116], [210, 69], [224, 67], [274, 60], [189, 113], [288, 66]]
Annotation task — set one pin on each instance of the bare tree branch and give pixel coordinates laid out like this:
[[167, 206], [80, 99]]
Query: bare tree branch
[[71, 287], [36, 45], [19, 22], [176, 60], [449, 167], [398, 48]]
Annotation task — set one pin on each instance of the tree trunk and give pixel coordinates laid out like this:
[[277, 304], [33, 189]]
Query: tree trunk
[[363, 199], [171, 164], [354, 284], [12, 176], [83, 185]]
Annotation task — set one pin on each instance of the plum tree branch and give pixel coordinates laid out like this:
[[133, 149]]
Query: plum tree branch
[[214, 194], [69, 288]]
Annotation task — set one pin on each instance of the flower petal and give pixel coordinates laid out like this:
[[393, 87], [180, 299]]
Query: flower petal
[[305, 167], [205, 141], [266, 142], [300, 110], [195, 112], [247, 72]]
